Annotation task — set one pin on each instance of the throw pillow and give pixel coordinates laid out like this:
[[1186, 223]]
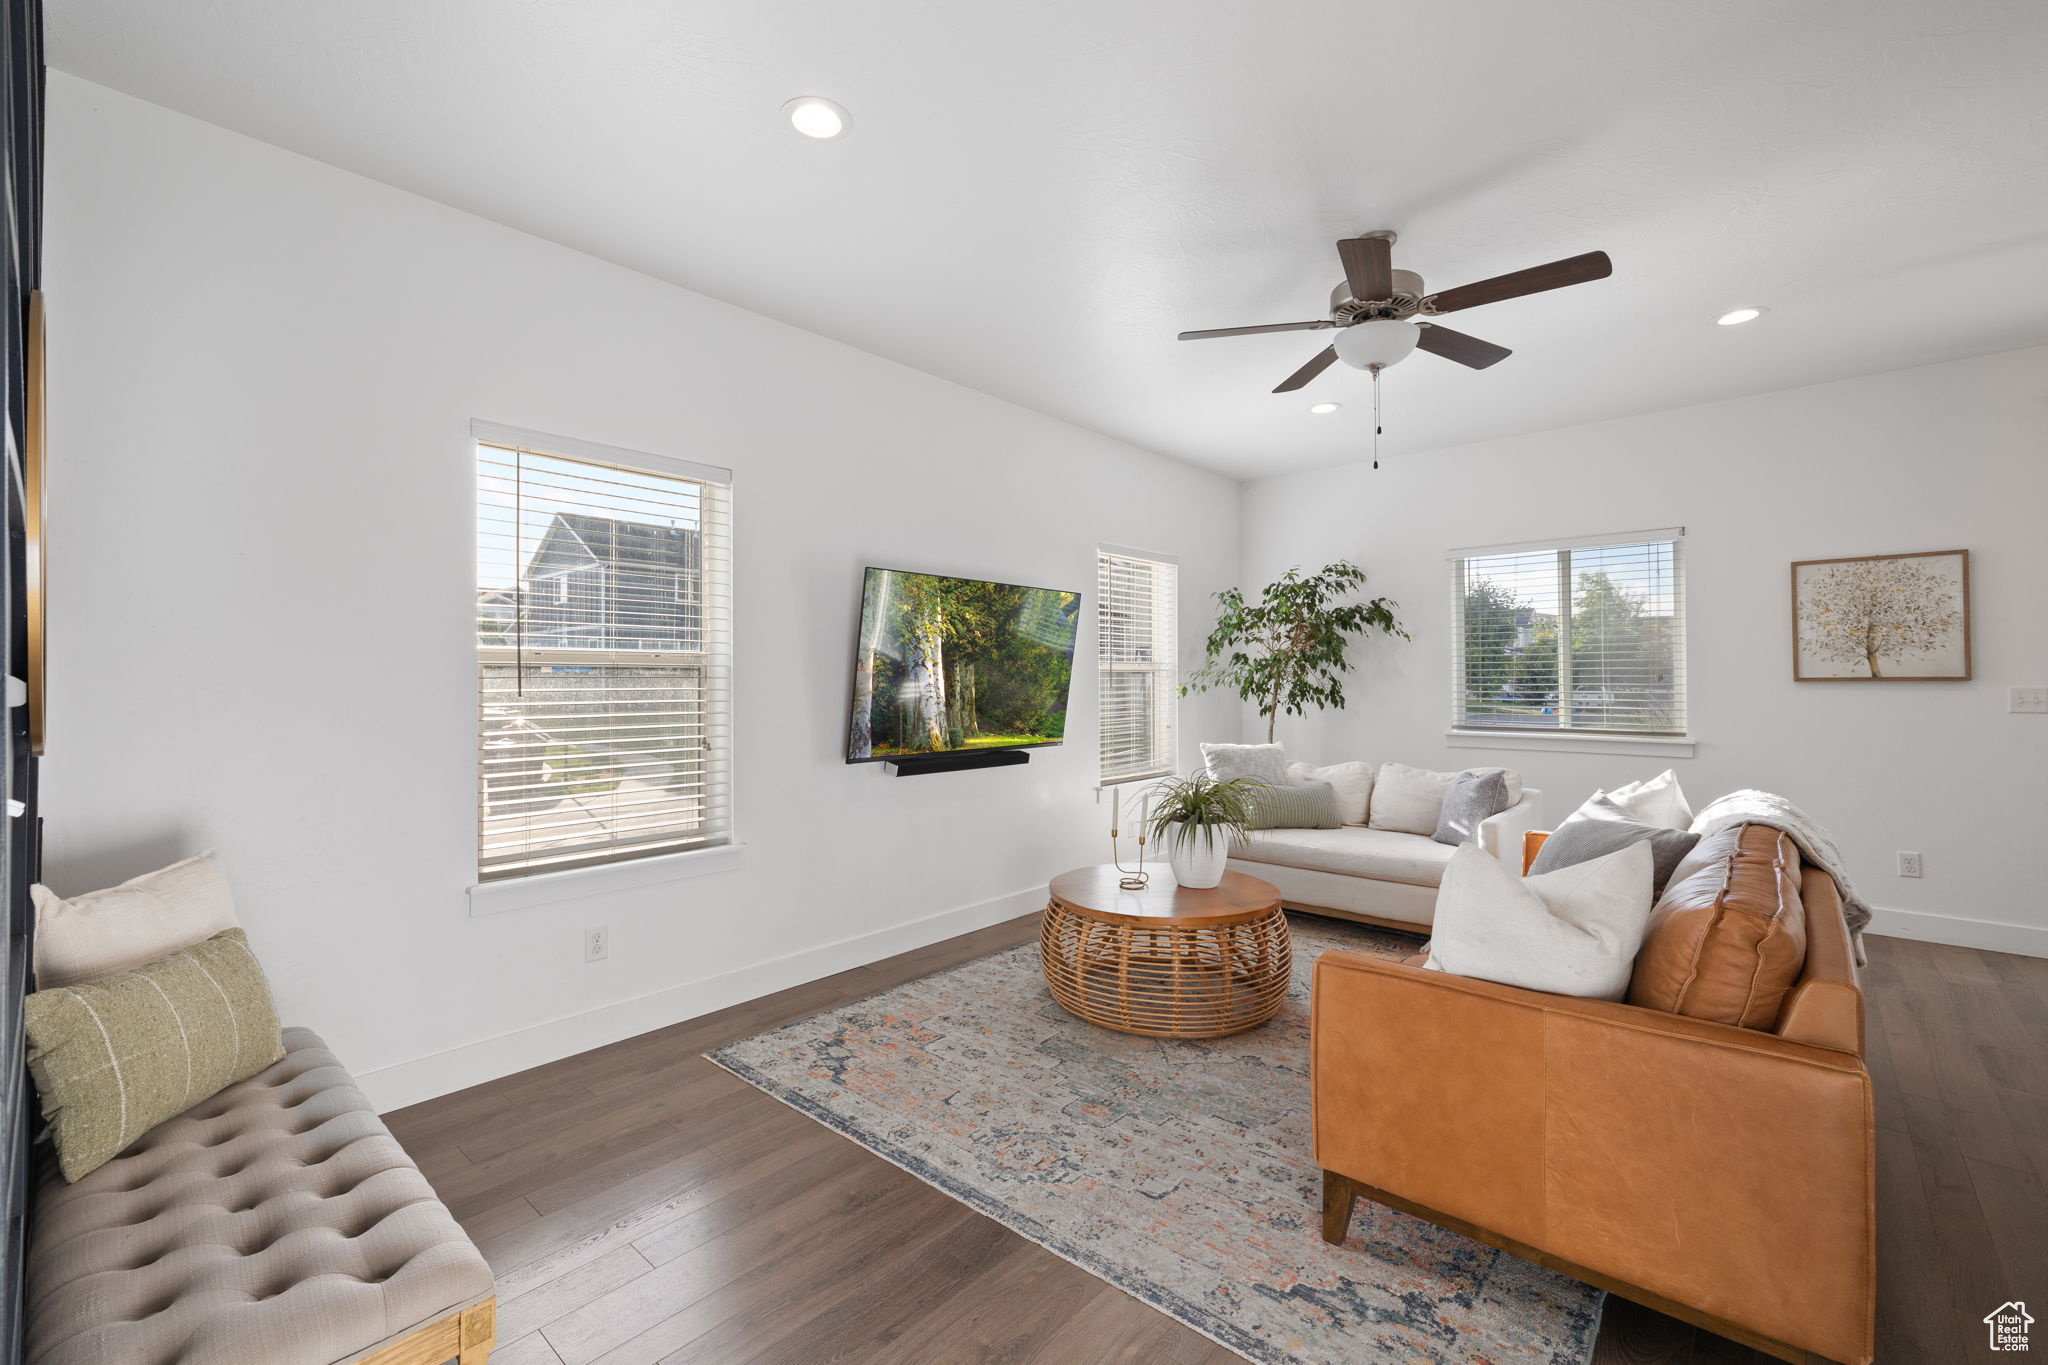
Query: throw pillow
[[1265, 763], [125, 926], [1570, 932], [115, 1057], [1353, 783], [1411, 800], [1408, 800], [1313, 806], [1655, 801], [1599, 828], [1472, 798]]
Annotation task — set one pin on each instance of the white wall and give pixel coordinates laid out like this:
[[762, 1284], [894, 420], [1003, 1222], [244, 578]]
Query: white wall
[[262, 375], [1946, 457]]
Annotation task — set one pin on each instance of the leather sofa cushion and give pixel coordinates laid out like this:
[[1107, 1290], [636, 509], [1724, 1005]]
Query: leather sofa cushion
[[1728, 938], [1380, 854]]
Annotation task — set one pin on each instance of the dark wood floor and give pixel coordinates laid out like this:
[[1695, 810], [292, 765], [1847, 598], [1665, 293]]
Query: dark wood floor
[[638, 1204]]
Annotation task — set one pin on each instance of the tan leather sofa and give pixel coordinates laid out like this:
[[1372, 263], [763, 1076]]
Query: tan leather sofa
[[1705, 1148]]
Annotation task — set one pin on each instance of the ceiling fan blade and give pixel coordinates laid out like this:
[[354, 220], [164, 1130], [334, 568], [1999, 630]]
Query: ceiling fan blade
[[1594, 265], [1254, 331], [1368, 267], [1438, 339], [1309, 371]]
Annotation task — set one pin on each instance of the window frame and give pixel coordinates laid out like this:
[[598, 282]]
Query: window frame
[[1584, 739], [615, 869], [1166, 670]]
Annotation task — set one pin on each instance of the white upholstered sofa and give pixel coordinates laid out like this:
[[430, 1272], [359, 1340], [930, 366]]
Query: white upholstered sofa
[[1377, 876]]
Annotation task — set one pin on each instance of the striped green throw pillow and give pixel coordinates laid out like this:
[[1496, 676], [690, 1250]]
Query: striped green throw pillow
[[1312, 805], [113, 1058]]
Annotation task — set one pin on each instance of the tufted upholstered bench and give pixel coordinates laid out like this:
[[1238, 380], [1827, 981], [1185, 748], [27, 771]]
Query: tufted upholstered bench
[[278, 1223]]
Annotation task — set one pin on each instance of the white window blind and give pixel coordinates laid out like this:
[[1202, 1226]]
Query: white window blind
[[604, 640], [1585, 636], [1135, 615]]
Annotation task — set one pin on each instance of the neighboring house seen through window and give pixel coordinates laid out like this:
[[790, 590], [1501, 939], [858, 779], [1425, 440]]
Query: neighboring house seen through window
[[603, 656], [1585, 636]]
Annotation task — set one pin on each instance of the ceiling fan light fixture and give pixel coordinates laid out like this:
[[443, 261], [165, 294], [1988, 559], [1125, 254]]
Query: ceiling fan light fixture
[[1735, 317], [1376, 342], [1324, 407], [816, 116]]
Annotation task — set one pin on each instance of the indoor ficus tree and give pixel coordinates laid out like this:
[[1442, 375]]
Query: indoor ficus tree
[[1285, 652]]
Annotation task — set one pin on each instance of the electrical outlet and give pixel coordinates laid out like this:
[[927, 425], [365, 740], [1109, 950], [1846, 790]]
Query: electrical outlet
[[597, 943], [1909, 864], [2027, 700]]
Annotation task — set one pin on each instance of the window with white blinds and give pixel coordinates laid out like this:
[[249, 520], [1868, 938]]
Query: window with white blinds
[[604, 640], [1585, 636], [1135, 614]]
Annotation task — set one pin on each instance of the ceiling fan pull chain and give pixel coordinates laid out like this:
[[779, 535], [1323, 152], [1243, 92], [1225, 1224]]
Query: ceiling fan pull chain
[[1376, 428]]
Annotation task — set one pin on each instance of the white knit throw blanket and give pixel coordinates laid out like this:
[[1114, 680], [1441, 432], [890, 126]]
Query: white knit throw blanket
[[1816, 845]]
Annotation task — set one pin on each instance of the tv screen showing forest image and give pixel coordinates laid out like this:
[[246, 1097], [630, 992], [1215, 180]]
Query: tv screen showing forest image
[[944, 664]]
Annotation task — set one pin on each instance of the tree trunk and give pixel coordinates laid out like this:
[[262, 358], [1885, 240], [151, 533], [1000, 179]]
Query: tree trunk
[[862, 742], [963, 700], [928, 683], [1870, 657], [1273, 706]]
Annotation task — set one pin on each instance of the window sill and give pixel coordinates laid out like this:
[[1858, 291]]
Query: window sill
[[555, 888], [1648, 746], [1114, 783]]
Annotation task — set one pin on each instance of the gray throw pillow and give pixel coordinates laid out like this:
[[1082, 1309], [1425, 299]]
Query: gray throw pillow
[[1260, 762], [1600, 827], [1312, 805], [1471, 798]]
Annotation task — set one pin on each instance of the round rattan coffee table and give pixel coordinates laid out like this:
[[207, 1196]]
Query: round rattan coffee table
[[1167, 961]]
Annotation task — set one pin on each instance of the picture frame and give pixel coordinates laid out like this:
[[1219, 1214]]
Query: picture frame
[[1882, 618]]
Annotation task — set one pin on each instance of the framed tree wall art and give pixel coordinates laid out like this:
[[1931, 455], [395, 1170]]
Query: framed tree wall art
[[1882, 618]]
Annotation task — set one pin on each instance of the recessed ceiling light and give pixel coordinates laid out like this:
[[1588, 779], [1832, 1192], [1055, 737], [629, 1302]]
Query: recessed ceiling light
[[1735, 317], [1324, 407], [816, 116]]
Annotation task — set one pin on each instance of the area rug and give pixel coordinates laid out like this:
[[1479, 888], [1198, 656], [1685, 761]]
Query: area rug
[[1179, 1171]]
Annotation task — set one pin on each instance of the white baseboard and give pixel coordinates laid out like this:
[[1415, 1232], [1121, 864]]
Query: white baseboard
[[441, 1073], [2028, 940]]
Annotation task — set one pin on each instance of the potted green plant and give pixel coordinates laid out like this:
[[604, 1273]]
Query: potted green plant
[[1196, 819], [1285, 652]]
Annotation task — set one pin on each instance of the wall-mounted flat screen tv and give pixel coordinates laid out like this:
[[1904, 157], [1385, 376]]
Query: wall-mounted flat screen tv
[[945, 664]]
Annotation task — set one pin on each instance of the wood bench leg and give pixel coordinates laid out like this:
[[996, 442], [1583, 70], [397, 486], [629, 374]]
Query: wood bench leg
[[1340, 1196], [466, 1336], [479, 1332]]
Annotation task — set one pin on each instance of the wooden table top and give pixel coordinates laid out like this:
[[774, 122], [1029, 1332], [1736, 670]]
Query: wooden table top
[[1093, 891]]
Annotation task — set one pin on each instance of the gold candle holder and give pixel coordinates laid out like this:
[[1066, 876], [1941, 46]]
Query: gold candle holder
[[1133, 879]]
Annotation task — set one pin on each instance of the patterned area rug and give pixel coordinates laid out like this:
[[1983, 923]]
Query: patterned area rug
[[1179, 1171]]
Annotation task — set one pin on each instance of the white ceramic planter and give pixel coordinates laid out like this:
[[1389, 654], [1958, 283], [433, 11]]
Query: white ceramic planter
[[1197, 862]]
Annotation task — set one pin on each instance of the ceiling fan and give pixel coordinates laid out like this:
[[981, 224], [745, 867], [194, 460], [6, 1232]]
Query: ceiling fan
[[1384, 314]]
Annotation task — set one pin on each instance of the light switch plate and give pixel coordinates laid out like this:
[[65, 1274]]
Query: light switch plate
[[2027, 700]]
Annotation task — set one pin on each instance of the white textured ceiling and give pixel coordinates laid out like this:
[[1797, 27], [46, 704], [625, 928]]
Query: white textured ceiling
[[1037, 195]]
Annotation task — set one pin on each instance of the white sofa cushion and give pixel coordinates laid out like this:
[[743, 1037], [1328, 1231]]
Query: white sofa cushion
[[1574, 931], [1304, 888], [1353, 852], [1352, 782], [1408, 800]]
